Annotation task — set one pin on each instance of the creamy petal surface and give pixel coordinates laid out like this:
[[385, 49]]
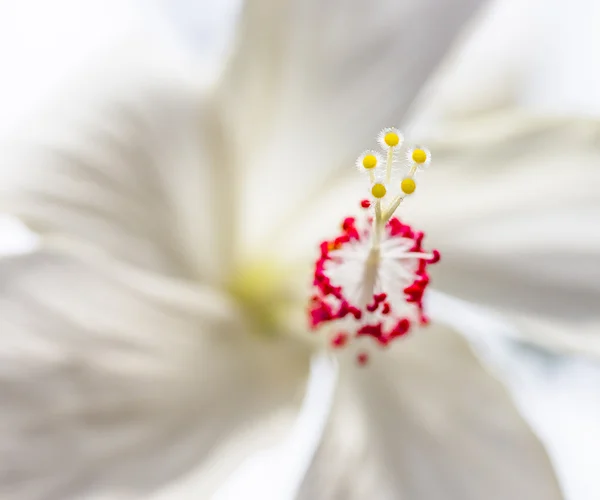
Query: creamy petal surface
[[427, 421], [513, 206], [114, 380], [124, 158]]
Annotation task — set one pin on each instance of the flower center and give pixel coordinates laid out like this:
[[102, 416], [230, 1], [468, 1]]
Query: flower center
[[369, 280], [259, 288]]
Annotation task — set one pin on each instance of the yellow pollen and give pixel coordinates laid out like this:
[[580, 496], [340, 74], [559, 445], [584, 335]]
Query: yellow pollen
[[408, 185], [378, 190], [391, 139], [369, 162], [333, 246], [419, 156]]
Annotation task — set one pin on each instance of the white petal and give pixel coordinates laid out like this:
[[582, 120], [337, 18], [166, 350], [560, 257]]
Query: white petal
[[117, 381], [512, 203], [122, 157], [522, 54], [575, 337], [427, 422], [311, 85]]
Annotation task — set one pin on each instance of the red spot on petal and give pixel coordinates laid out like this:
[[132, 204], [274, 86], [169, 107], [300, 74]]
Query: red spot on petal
[[340, 340], [362, 358]]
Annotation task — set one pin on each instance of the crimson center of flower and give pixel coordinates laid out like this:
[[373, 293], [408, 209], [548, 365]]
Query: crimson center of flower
[[370, 279]]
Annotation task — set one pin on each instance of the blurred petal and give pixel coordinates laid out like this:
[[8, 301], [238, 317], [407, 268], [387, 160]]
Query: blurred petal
[[15, 238], [313, 82], [553, 81], [566, 337], [117, 381], [512, 203], [525, 54], [40, 53], [427, 421], [123, 159]]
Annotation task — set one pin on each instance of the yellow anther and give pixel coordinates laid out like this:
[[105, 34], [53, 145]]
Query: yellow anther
[[408, 185], [391, 139], [369, 162], [419, 156], [378, 190]]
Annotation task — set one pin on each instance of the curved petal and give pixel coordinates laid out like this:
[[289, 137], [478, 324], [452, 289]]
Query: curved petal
[[525, 55], [427, 421], [581, 338], [312, 83], [130, 378], [124, 158], [513, 207]]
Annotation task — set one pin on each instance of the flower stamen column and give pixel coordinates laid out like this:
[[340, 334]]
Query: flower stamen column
[[369, 280]]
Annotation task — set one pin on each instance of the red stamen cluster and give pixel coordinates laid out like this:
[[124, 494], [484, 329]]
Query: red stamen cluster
[[377, 319]]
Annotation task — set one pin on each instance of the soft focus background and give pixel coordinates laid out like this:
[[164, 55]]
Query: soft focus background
[[541, 53]]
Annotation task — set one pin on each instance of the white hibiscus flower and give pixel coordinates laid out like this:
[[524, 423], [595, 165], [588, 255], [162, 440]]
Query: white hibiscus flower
[[161, 323]]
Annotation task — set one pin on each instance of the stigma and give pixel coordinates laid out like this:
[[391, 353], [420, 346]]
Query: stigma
[[370, 279]]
